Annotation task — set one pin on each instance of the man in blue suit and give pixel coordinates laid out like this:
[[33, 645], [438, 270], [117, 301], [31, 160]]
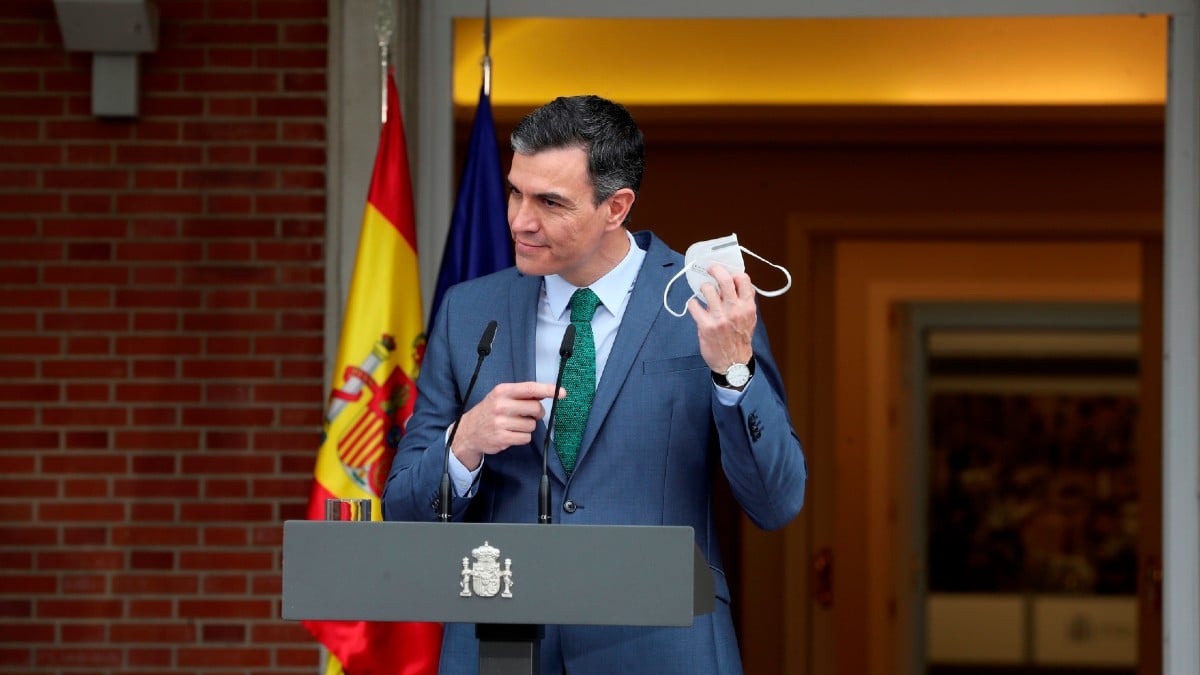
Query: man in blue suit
[[674, 398]]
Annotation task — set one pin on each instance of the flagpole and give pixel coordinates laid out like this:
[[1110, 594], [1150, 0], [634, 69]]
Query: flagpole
[[487, 48], [385, 25]]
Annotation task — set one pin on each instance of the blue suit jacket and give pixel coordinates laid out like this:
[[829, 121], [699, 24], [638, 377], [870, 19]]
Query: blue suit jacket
[[655, 436]]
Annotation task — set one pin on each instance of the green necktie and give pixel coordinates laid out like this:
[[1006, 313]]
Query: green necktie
[[579, 379]]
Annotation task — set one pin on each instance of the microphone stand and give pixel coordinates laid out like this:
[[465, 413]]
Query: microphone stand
[[564, 352], [484, 349]]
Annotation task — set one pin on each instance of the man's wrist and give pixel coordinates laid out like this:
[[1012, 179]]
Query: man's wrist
[[737, 376]]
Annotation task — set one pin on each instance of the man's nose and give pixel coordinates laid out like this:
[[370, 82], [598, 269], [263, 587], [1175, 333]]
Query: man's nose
[[520, 218]]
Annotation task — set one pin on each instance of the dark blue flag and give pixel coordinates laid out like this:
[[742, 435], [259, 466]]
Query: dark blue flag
[[478, 242]]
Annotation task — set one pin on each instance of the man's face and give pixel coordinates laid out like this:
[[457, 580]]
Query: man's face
[[555, 227]]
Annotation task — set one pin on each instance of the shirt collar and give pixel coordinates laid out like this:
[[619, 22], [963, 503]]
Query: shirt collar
[[612, 288]]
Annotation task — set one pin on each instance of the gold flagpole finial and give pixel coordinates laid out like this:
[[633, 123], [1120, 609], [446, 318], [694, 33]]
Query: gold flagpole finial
[[385, 25]]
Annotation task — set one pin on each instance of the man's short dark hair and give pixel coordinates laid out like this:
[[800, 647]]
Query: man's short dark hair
[[603, 129]]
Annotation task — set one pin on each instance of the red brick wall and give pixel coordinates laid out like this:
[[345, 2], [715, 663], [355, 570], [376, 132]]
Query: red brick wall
[[161, 341]]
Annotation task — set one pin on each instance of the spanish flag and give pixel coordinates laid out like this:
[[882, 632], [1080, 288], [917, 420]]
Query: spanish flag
[[373, 392]]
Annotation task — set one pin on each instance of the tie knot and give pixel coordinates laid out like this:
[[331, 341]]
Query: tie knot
[[583, 305]]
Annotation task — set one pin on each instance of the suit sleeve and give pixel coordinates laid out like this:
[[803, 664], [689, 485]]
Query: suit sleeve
[[760, 452], [411, 491]]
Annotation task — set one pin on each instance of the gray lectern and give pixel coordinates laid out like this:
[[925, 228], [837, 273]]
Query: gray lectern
[[508, 579]]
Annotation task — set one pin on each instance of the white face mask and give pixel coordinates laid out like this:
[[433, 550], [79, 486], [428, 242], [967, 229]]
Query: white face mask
[[724, 251]]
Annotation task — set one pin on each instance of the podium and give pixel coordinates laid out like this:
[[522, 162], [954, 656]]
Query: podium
[[508, 579]]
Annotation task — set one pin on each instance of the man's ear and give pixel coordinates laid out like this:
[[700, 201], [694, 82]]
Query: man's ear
[[619, 205]]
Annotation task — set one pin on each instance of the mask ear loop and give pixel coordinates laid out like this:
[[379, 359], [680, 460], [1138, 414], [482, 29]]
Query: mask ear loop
[[771, 294], [666, 290]]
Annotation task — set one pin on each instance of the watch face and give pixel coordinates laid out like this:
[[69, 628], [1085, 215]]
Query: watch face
[[737, 375]]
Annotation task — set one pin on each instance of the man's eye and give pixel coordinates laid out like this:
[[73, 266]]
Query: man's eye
[[550, 202]]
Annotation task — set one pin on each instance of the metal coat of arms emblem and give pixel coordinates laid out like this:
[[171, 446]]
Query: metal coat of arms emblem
[[484, 576]]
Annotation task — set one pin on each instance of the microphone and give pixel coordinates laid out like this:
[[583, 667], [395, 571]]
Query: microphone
[[484, 349], [564, 352]]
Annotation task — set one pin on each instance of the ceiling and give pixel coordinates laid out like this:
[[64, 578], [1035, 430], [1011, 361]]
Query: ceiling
[[1026, 61]]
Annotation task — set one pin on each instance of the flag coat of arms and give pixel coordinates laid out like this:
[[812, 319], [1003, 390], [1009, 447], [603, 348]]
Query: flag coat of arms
[[373, 389]]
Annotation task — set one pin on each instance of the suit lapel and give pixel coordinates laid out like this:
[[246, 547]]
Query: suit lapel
[[523, 317], [645, 303]]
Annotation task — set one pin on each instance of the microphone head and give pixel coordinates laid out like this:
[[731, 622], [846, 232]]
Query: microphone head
[[568, 342], [485, 341]]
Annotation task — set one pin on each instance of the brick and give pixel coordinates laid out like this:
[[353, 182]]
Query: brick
[[167, 106], [157, 536], [251, 227], [30, 345], [281, 487], [75, 658], [226, 82], [175, 298], [206, 322], [155, 321], [306, 33], [294, 203], [230, 58], [227, 203], [226, 463], [37, 298], [155, 584], [18, 276], [225, 513], [87, 440], [79, 369], [28, 536], [81, 560], [31, 203], [231, 345], [92, 130], [29, 251], [231, 34], [153, 632], [227, 417], [228, 440], [223, 633], [302, 180], [13, 82], [85, 179], [85, 417], [225, 536], [231, 251], [290, 155], [159, 251], [89, 154], [25, 369], [175, 392], [153, 464], [151, 609], [84, 463], [224, 609], [216, 369], [271, 535], [151, 560], [293, 322], [288, 393], [147, 368], [76, 512], [155, 417], [157, 440], [143, 658], [301, 369], [160, 203], [229, 394], [29, 440], [158, 276], [84, 584], [217, 178], [30, 393], [304, 82], [225, 584], [291, 9], [153, 512], [32, 154], [159, 154], [18, 178], [157, 131], [27, 632], [158, 82], [95, 228], [155, 228], [89, 299], [67, 81], [14, 657], [86, 274], [91, 251], [34, 106], [172, 57], [28, 584], [89, 203], [181, 488], [226, 489], [78, 609], [229, 154], [83, 321], [87, 392], [229, 9], [80, 633], [85, 488], [230, 107], [297, 58], [290, 251], [17, 417], [224, 657], [150, 179]]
